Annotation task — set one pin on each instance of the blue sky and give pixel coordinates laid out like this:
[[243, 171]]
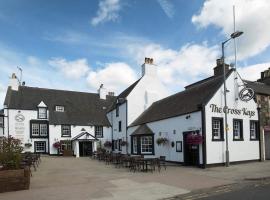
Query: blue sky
[[78, 45]]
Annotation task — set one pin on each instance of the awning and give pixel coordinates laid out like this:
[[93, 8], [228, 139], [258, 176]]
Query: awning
[[143, 130], [84, 136]]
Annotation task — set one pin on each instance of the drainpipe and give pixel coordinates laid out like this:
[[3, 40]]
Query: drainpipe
[[126, 127]]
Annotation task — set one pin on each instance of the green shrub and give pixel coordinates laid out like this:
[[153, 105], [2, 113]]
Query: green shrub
[[10, 152]]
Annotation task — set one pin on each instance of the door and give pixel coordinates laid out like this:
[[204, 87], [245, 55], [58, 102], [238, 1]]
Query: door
[[191, 152], [267, 145], [85, 148]]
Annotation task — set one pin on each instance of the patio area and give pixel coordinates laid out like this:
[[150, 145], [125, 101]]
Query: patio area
[[69, 178]]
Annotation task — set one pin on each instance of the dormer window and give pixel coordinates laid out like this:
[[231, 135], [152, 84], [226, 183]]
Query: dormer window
[[42, 113], [59, 108]]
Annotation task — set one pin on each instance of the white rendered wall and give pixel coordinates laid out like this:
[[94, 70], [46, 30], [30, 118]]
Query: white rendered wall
[[239, 150], [148, 90], [166, 127]]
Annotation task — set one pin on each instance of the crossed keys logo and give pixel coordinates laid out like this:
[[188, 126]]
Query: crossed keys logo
[[246, 94]]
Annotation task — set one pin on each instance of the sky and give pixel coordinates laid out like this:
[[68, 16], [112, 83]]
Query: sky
[[80, 44]]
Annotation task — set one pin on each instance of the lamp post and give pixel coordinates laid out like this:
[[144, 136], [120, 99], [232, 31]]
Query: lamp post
[[233, 35]]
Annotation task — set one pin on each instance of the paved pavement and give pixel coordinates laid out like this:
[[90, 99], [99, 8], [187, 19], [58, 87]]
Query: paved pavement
[[63, 178]]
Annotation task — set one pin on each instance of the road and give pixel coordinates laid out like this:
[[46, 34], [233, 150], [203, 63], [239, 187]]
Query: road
[[248, 190]]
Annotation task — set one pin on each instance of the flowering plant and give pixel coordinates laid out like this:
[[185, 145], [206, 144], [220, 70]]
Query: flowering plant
[[162, 141], [28, 145], [123, 143], [107, 144], [57, 145]]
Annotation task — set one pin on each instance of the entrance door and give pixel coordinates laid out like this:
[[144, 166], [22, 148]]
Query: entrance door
[[191, 151], [85, 148], [267, 145]]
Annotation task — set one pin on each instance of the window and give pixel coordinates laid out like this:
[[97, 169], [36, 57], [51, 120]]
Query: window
[[43, 130], [119, 126], [1, 121], [115, 144], [146, 145], [237, 129], [117, 110], [39, 129], [217, 129], [99, 131], [254, 130], [40, 147], [120, 146], [135, 145], [42, 113], [35, 129], [66, 131], [59, 108], [65, 145]]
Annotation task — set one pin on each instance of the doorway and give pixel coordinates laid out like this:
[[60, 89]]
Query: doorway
[[267, 145], [85, 148], [191, 151]]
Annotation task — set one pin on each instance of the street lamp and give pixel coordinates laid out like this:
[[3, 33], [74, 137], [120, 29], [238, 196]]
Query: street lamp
[[233, 35]]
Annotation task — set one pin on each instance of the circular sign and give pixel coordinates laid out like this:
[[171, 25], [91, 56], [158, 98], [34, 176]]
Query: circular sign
[[19, 118], [246, 94]]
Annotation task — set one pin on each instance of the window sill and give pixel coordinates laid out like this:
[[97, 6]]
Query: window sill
[[65, 135], [241, 139], [256, 139], [217, 140]]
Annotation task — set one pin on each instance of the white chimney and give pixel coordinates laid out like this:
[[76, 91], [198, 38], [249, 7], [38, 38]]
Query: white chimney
[[14, 82], [102, 92], [148, 68]]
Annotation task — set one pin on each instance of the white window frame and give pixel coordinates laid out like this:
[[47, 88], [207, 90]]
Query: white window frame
[[237, 129], [146, 144], [65, 130], [1, 121], [135, 145], [35, 130], [59, 108], [253, 130], [37, 145], [42, 113], [99, 131], [43, 130], [216, 127]]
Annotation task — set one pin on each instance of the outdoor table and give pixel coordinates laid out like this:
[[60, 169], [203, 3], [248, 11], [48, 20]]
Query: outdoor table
[[146, 162]]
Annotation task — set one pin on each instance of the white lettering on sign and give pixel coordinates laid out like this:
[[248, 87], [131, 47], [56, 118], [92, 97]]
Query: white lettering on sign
[[233, 111]]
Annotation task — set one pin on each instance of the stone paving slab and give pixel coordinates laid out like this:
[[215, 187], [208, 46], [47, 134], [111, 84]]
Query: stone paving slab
[[60, 178]]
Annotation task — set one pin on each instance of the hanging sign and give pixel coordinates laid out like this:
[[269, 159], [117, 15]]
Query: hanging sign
[[246, 94]]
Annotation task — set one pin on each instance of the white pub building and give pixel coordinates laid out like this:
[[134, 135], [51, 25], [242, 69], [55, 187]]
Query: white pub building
[[187, 127]]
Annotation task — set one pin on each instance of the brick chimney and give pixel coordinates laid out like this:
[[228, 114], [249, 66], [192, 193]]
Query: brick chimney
[[148, 68], [218, 70], [265, 77]]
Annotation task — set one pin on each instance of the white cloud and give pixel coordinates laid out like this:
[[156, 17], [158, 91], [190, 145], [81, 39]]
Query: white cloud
[[107, 11], [115, 77], [71, 69], [176, 68], [167, 7], [253, 72], [252, 17]]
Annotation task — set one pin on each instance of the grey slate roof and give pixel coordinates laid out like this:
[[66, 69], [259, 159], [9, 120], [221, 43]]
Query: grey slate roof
[[122, 96], [259, 87], [81, 108], [187, 101], [142, 130]]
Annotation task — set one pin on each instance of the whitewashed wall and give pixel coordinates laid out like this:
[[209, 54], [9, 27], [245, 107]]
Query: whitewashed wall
[[148, 90], [166, 127], [21, 130], [239, 150]]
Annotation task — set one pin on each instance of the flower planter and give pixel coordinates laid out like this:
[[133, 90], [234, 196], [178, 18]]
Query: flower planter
[[13, 180]]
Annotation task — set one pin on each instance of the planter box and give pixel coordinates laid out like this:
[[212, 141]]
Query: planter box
[[13, 180], [67, 153]]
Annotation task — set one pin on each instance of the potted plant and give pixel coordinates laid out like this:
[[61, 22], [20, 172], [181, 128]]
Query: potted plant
[[28, 145], [162, 141], [123, 143], [57, 145], [108, 144]]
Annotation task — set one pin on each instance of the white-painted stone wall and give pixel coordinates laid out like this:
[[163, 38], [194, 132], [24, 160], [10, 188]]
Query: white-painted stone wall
[[166, 127], [239, 150], [21, 130]]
